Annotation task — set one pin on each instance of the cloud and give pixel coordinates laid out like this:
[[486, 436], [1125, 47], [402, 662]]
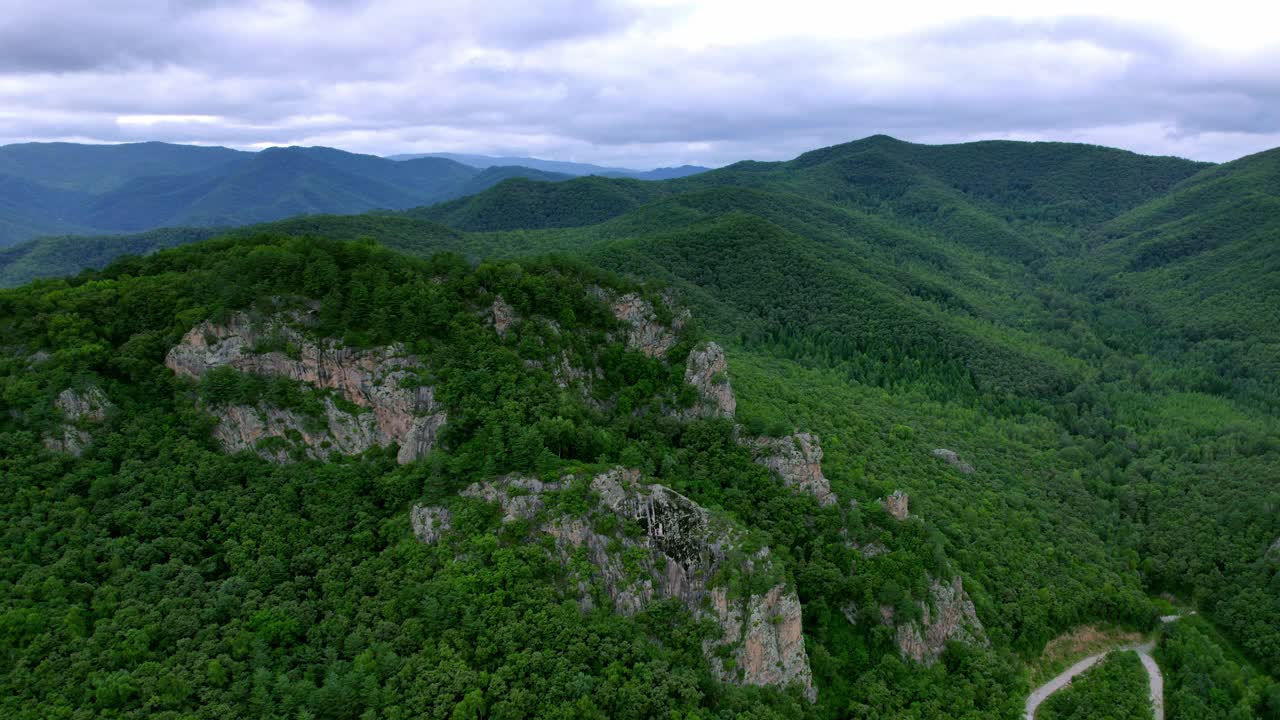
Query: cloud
[[614, 81]]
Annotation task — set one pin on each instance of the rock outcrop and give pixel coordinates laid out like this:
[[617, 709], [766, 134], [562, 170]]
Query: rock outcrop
[[772, 644], [897, 505], [78, 408], [645, 332], [951, 458], [797, 459], [948, 616], [502, 315], [684, 547], [430, 523], [708, 372], [380, 383]]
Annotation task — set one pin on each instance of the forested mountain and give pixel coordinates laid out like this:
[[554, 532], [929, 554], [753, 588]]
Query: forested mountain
[[853, 435], [60, 188], [99, 168], [561, 166]]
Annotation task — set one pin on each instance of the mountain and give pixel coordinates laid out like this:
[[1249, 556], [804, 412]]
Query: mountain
[[974, 190], [531, 205], [60, 189], [886, 431], [100, 168], [560, 166], [662, 173], [491, 176]]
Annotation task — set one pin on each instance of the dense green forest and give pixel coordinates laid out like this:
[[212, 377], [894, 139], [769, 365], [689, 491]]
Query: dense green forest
[[1092, 331]]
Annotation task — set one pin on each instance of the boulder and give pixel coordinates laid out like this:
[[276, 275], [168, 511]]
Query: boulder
[[951, 458], [896, 504], [430, 523]]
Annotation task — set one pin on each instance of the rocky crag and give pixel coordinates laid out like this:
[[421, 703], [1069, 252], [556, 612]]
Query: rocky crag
[[948, 615], [952, 458], [383, 403], [683, 548], [372, 398], [79, 409], [797, 459], [707, 371]]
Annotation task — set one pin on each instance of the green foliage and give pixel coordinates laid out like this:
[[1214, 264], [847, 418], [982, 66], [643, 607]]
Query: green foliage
[[523, 204], [1093, 331], [1205, 678], [1115, 688]]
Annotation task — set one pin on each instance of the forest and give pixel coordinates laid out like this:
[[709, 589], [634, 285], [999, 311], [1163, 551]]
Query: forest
[[1015, 303]]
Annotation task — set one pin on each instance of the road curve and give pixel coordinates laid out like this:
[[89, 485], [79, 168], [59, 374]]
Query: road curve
[[1155, 679]]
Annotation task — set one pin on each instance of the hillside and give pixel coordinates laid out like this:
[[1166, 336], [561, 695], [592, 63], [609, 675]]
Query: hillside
[[529, 205], [1018, 200], [616, 386], [852, 435], [60, 189]]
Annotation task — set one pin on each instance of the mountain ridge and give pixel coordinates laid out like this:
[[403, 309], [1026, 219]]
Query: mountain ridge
[[559, 166]]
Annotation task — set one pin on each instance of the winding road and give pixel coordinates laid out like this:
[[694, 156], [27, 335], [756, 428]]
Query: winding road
[[1155, 679]]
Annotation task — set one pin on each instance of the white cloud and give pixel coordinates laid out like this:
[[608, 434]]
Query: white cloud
[[640, 83]]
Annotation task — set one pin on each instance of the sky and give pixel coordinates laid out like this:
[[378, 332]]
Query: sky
[[641, 83]]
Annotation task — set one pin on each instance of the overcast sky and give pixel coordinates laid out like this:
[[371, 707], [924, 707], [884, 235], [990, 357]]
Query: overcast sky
[[641, 83]]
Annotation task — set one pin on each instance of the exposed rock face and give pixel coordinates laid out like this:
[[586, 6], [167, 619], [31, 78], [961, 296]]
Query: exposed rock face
[[797, 459], [429, 523], [1273, 552], [683, 548], [869, 550], [644, 332], [78, 408], [953, 459], [772, 650], [391, 409], [949, 616], [519, 497], [503, 315], [708, 371], [896, 504]]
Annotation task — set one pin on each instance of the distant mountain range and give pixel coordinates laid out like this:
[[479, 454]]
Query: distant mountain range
[[560, 166], [65, 188]]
